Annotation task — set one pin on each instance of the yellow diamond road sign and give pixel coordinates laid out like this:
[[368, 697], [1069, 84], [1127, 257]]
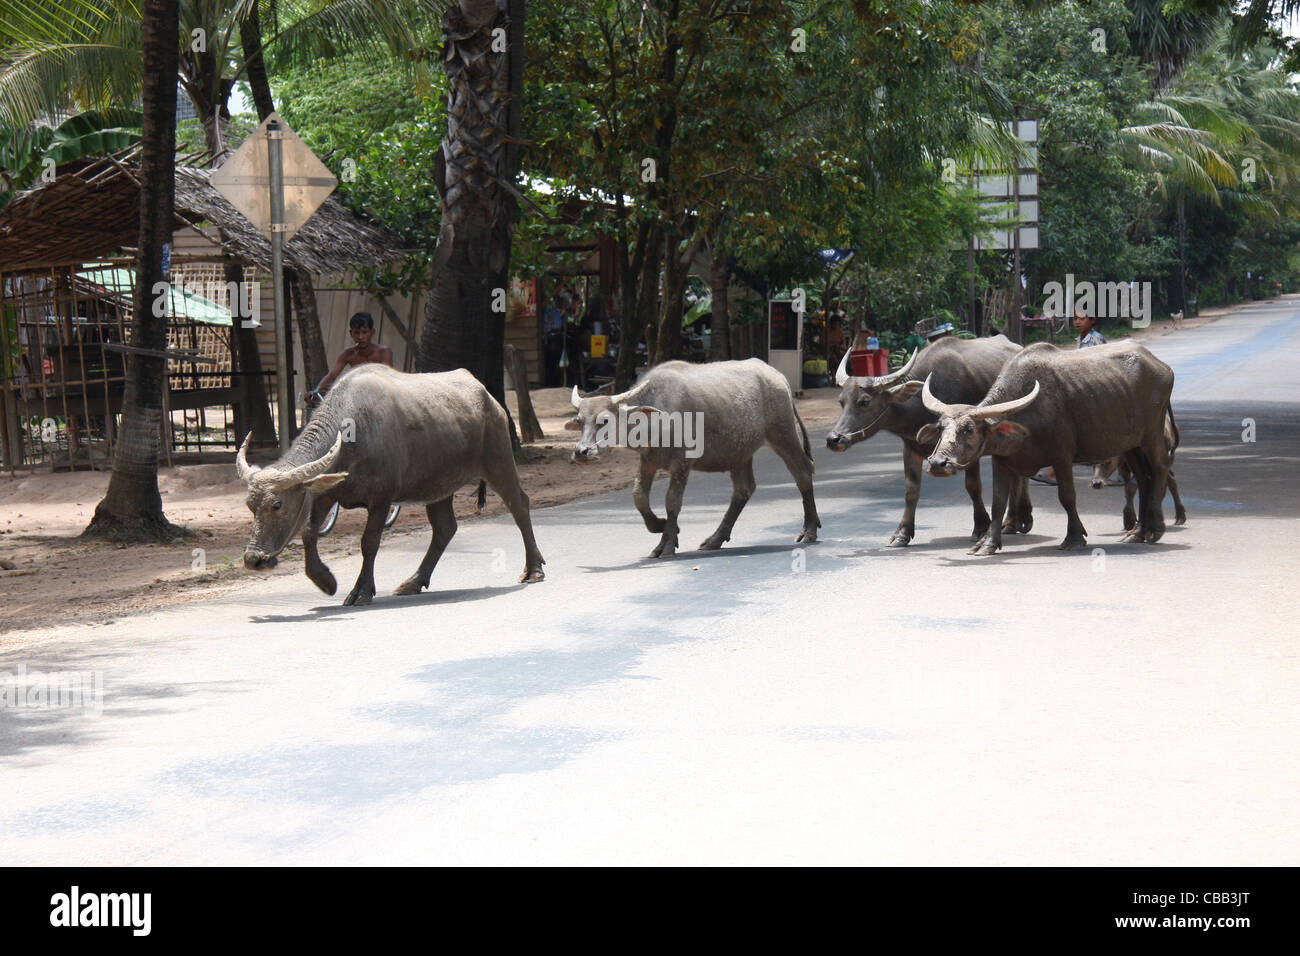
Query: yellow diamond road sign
[[245, 180]]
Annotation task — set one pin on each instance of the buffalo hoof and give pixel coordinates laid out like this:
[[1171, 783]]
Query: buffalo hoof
[[1130, 520], [664, 549], [324, 579], [412, 585], [807, 536], [712, 543], [1072, 543], [1026, 525], [358, 597], [899, 539], [532, 576], [1134, 535], [1180, 517], [986, 549], [655, 525]]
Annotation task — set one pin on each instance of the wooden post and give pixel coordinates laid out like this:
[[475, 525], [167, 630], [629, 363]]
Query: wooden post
[[530, 429]]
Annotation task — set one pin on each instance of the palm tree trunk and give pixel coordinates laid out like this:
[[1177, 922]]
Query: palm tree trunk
[[480, 160], [720, 329], [1180, 226], [132, 507]]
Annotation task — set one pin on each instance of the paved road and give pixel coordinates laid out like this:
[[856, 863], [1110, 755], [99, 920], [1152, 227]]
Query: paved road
[[838, 704]]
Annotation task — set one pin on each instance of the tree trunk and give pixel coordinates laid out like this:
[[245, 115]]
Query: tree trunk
[[310, 340], [632, 320], [530, 429], [250, 38], [677, 266], [132, 506], [480, 153], [720, 329], [1180, 271]]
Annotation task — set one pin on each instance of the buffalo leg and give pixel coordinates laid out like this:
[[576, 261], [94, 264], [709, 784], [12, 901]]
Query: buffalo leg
[[442, 518], [1076, 536], [991, 543], [1130, 490], [906, 530], [317, 572], [503, 478], [677, 476], [363, 592], [975, 488], [1021, 505], [1152, 512], [641, 497], [790, 450], [742, 488], [1180, 513]]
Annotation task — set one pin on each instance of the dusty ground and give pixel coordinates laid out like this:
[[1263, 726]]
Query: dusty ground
[[52, 577]]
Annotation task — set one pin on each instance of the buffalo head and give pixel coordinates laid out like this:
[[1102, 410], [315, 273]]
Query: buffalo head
[[965, 432], [280, 499], [865, 402]]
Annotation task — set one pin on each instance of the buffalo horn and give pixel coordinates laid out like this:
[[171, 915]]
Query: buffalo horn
[[313, 469], [932, 403], [1004, 408], [246, 471]]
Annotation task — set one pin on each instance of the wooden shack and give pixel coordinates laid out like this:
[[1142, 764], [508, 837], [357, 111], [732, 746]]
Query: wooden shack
[[66, 303]]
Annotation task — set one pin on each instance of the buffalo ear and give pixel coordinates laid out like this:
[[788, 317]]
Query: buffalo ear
[[1005, 438], [573, 425], [323, 483], [901, 393], [928, 435]]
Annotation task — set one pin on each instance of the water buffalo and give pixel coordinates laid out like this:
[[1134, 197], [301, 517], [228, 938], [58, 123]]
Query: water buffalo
[[716, 416], [382, 437], [1101, 474], [966, 368], [1072, 406]]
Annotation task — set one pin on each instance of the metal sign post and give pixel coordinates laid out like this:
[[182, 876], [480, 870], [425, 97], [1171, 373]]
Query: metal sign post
[[277, 189], [275, 161]]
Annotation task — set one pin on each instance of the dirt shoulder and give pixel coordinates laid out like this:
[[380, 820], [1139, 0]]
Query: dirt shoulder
[[51, 578]]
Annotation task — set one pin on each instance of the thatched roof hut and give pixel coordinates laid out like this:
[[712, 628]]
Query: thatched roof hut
[[92, 209]]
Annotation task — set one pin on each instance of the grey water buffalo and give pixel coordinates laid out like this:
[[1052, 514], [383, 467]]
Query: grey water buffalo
[[961, 368], [1070, 406], [683, 417], [382, 437], [1101, 474]]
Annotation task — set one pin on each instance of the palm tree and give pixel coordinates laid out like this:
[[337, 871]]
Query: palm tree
[[475, 175], [132, 507], [1227, 130]]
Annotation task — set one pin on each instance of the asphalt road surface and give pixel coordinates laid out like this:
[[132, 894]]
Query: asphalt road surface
[[840, 703]]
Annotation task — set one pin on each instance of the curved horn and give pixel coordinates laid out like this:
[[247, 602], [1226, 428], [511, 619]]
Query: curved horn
[[842, 373], [305, 473], [1004, 408], [881, 381], [576, 398], [246, 471], [932, 403]]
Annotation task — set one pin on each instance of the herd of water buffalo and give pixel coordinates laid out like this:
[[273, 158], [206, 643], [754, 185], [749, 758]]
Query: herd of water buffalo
[[383, 437]]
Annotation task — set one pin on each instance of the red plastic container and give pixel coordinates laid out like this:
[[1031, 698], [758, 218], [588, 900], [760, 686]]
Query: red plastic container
[[869, 362]]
